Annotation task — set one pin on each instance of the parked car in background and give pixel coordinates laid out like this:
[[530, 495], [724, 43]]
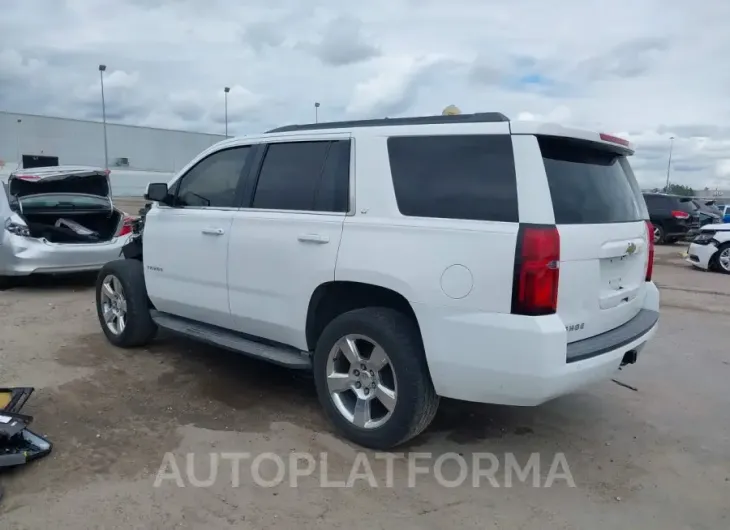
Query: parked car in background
[[726, 213], [708, 214], [672, 216], [714, 205], [57, 220], [376, 255], [710, 249]]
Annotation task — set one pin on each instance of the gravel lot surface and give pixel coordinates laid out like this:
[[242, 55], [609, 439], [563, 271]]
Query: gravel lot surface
[[654, 458]]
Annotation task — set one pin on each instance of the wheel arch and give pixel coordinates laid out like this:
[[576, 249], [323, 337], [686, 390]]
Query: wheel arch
[[714, 261], [334, 298]]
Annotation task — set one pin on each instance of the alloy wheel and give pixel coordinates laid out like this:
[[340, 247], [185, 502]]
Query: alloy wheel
[[361, 381], [113, 304], [724, 259]]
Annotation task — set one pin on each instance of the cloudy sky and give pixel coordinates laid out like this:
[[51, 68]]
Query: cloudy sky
[[646, 69]]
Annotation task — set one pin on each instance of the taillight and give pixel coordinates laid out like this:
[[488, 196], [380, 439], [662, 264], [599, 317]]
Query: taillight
[[614, 139], [537, 269], [679, 214], [126, 227], [17, 227], [650, 241]]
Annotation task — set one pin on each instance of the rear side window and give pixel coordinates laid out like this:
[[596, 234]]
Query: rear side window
[[455, 177], [589, 185], [304, 176]]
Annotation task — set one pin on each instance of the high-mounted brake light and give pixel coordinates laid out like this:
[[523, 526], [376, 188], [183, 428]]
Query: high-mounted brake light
[[537, 271], [28, 177], [679, 214], [126, 227], [614, 139], [650, 242]]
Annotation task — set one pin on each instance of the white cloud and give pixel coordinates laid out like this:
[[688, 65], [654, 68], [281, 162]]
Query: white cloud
[[648, 70], [390, 88]]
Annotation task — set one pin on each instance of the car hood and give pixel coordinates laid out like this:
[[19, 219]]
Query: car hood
[[54, 180], [722, 227]]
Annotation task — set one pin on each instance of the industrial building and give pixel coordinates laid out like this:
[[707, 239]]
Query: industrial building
[[137, 155]]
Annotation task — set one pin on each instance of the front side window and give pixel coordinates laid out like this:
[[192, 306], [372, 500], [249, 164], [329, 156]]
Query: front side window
[[213, 181]]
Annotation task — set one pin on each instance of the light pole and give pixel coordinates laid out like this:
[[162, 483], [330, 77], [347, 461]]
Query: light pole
[[226, 90], [102, 69], [17, 142], [316, 112], [669, 163]]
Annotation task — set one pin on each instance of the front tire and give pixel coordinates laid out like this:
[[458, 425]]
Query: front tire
[[122, 305], [372, 379], [721, 260]]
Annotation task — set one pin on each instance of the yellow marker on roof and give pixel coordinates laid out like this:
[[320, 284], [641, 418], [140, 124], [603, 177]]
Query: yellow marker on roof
[[451, 110]]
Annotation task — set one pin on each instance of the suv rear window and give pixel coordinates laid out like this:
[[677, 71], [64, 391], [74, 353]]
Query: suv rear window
[[657, 203], [589, 185], [454, 177]]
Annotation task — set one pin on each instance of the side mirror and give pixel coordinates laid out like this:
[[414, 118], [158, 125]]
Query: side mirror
[[157, 192]]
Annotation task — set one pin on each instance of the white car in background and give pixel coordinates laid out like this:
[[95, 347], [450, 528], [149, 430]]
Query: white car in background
[[58, 220], [710, 249]]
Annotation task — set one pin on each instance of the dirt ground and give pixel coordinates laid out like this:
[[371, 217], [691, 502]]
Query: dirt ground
[[654, 458]]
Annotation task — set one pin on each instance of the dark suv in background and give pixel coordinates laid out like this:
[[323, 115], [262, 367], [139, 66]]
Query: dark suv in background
[[674, 217]]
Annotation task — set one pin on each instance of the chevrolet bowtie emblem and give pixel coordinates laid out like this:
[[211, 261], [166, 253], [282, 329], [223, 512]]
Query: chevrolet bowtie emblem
[[631, 248]]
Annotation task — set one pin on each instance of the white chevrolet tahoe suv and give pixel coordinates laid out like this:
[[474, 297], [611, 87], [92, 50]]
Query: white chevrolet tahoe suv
[[400, 260]]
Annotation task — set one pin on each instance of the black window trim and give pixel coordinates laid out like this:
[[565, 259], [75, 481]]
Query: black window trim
[[242, 179], [258, 162]]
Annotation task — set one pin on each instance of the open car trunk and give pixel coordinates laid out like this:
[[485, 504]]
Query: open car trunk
[[65, 204], [67, 227]]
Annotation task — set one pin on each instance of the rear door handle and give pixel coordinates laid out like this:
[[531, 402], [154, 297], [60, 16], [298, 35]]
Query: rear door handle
[[213, 231], [313, 238]]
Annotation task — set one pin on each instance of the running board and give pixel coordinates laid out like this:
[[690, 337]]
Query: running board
[[230, 340]]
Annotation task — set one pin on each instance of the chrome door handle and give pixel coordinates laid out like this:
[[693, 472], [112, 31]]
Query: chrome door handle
[[213, 231], [313, 238]]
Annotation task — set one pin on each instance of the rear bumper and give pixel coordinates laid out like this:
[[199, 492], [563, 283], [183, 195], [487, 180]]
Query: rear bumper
[[679, 229], [516, 360], [20, 256]]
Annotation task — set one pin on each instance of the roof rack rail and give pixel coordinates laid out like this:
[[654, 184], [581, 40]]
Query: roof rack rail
[[479, 117]]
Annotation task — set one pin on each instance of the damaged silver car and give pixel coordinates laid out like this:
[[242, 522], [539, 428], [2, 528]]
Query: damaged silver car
[[59, 220]]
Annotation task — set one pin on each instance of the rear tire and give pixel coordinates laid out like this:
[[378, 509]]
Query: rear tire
[[413, 400], [122, 305]]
